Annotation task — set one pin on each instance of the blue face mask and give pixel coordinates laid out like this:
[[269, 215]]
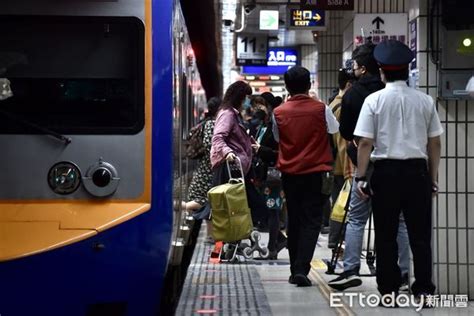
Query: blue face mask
[[247, 103]]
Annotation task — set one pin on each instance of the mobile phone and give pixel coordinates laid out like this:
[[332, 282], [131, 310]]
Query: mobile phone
[[366, 188]]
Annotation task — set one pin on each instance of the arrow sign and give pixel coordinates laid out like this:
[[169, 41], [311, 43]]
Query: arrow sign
[[269, 19], [317, 17], [377, 22]]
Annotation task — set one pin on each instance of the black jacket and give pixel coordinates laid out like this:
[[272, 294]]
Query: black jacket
[[352, 103], [267, 155]]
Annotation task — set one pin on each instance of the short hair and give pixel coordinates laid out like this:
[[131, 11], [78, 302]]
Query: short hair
[[278, 101], [259, 100], [213, 106], [269, 97], [394, 75], [297, 80], [343, 77], [235, 95], [364, 56]]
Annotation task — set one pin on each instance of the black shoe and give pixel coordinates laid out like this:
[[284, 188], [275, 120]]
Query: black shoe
[[345, 281], [291, 280], [302, 280], [273, 255], [422, 298], [281, 245], [389, 302]]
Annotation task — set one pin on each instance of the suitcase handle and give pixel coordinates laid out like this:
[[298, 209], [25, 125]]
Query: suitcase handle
[[241, 169]]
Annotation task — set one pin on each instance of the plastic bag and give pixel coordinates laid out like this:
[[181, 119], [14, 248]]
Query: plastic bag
[[339, 208]]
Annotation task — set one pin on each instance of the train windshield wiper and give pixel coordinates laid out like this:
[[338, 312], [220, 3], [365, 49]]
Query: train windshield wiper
[[36, 127]]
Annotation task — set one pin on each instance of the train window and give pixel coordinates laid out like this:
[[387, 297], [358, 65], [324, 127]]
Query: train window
[[75, 75]]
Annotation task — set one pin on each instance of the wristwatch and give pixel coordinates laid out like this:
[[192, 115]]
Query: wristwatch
[[358, 179]]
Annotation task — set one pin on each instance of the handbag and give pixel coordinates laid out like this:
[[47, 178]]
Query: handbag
[[231, 217], [203, 213], [339, 207]]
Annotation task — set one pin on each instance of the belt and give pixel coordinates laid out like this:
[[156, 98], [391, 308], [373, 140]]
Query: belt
[[417, 162]]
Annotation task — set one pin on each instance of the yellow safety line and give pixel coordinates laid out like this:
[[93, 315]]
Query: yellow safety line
[[325, 290]]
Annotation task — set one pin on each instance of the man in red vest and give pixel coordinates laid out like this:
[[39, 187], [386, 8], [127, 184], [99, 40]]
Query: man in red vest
[[301, 126]]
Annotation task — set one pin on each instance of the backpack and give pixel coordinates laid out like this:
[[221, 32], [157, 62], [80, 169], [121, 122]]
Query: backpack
[[195, 148]]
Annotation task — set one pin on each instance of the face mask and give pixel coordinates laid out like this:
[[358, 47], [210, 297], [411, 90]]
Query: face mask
[[247, 103], [5, 90]]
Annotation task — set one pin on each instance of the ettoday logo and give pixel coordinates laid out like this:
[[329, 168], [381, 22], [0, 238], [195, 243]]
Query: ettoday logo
[[400, 300]]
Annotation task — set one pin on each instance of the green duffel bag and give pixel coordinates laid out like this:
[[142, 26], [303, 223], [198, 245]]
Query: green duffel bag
[[230, 212]]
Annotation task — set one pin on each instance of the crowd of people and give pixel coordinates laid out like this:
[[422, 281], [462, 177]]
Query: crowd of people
[[377, 133]]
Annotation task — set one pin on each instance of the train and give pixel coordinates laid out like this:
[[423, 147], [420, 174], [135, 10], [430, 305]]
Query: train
[[103, 94]]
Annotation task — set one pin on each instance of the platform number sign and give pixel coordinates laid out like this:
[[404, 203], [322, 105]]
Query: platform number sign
[[252, 49]]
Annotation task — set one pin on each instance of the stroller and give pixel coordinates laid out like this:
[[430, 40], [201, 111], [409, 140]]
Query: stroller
[[232, 219]]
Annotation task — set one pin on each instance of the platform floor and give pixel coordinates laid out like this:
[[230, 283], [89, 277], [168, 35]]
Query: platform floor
[[260, 287]]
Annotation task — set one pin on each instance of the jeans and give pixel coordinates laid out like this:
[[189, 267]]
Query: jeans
[[358, 216]]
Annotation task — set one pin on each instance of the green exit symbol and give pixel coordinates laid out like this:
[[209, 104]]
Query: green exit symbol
[[269, 19]]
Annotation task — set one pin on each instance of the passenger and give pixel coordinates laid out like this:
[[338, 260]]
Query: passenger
[[342, 164], [201, 182], [403, 127], [258, 110], [231, 140], [301, 126], [266, 149], [366, 70]]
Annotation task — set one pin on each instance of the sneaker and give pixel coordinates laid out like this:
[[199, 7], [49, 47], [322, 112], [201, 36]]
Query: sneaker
[[345, 281], [209, 240], [405, 286], [302, 280]]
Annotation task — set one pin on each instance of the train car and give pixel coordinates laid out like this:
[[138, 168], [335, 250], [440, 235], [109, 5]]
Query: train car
[[103, 94]]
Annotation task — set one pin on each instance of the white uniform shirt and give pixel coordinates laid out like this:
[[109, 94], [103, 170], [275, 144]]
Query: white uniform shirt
[[400, 120]]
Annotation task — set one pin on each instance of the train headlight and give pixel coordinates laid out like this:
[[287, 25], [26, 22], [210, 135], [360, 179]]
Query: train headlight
[[64, 177], [101, 179]]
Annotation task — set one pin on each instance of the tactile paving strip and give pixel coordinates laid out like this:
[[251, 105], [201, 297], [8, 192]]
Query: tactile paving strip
[[221, 289]]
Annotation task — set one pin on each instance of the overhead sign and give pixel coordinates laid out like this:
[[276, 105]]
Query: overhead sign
[[380, 27], [269, 19], [307, 18], [252, 49], [327, 4], [282, 57]]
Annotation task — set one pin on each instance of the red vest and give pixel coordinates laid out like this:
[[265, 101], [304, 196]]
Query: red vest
[[304, 143]]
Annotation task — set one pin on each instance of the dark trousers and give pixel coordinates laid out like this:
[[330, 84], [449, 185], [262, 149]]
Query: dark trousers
[[402, 186], [275, 235], [305, 206]]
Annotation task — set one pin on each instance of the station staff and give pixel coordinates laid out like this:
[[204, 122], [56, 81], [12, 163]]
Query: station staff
[[403, 126]]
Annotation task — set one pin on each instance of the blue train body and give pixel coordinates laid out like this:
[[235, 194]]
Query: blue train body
[[121, 270]]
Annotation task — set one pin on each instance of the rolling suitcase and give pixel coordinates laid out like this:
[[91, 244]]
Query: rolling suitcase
[[231, 217]]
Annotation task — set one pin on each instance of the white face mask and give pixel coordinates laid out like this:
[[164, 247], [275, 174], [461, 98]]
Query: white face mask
[[5, 90]]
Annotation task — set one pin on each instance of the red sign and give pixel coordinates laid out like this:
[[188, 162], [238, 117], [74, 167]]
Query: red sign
[[327, 4]]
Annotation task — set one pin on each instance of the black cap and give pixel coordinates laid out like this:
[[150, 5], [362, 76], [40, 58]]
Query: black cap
[[392, 54]]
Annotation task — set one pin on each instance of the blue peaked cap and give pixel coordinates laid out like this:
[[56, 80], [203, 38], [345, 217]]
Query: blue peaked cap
[[393, 53]]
